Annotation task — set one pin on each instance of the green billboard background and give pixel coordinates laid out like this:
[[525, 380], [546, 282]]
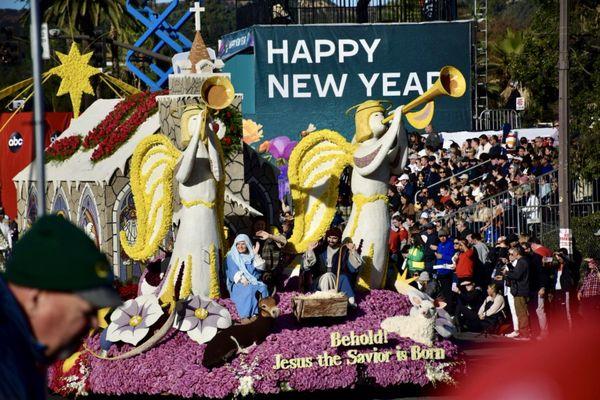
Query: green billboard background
[[314, 73]]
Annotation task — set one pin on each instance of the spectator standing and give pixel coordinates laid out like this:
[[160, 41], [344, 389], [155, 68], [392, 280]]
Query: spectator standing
[[465, 261], [431, 241], [564, 285], [518, 278], [462, 229], [405, 187], [589, 294], [538, 282], [443, 266], [434, 139], [414, 257], [398, 239], [481, 275], [484, 146]]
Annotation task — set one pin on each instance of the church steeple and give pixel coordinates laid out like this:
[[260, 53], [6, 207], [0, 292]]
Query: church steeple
[[198, 51]]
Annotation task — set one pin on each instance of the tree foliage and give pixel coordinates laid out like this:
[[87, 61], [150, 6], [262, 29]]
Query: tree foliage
[[538, 72]]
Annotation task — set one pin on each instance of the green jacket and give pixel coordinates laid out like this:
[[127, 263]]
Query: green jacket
[[414, 260]]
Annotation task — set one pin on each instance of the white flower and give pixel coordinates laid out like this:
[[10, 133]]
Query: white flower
[[131, 322], [201, 317], [437, 373], [246, 386]]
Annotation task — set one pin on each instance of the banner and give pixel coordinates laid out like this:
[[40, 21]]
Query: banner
[[235, 42], [17, 149], [314, 73]]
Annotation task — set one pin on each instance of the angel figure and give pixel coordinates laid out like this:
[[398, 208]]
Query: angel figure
[[315, 167], [193, 268]]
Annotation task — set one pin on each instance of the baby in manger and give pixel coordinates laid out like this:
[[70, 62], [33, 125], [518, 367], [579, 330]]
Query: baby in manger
[[322, 263]]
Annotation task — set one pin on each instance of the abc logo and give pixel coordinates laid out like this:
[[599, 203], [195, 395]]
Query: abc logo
[[15, 142], [54, 136]]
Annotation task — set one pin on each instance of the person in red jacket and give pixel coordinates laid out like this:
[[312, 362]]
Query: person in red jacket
[[465, 262], [398, 235]]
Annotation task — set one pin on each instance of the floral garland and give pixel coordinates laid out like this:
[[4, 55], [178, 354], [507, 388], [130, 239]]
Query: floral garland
[[231, 143], [62, 149], [301, 166], [122, 122], [215, 290], [112, 121], [113, 137], [142, 250]]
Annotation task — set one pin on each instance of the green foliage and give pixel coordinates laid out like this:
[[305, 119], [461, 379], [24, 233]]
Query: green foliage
[[537, 71], [503, 63], [583, 234]]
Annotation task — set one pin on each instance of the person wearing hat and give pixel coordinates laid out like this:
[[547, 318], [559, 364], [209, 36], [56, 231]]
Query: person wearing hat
[[427, 285], [469, 300], [404, 186], [444, 266], [322, 263], [55, 281], [414, 164]]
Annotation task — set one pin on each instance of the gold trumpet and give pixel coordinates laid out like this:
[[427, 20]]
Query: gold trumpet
[[217, 93], [450, 83]]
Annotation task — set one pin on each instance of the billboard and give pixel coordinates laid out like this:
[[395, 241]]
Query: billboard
[[314, 73]]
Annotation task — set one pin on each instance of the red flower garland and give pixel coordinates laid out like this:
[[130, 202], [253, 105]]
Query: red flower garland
[[112, 121], [114, 134], [63, 148], [122, 122]]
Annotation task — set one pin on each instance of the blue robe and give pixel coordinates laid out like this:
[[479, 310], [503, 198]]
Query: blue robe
[[244, 296]]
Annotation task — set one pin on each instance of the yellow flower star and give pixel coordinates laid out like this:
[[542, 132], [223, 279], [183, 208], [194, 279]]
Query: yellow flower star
[[75, 73], [402, 283]]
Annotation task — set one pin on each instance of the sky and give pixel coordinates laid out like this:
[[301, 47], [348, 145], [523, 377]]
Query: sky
[[15, 4]]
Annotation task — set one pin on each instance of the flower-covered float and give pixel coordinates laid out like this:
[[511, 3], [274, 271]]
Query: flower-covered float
[[174, 366], [167, 339]]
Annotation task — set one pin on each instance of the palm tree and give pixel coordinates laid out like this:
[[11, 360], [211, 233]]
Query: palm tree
[[502, 63], [86, 16]]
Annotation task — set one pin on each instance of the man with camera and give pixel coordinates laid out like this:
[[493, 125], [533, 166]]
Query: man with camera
[[518, 280]]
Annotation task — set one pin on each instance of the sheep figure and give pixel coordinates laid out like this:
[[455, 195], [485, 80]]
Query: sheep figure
[[424, 320]]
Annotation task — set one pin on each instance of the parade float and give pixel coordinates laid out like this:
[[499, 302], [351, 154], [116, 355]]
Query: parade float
[[166, 337], [164, 176]]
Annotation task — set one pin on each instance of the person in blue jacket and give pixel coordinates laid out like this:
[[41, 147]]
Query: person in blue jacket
[[444, 265]]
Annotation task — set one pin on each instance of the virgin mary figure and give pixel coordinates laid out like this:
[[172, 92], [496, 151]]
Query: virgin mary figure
[[244, 267]]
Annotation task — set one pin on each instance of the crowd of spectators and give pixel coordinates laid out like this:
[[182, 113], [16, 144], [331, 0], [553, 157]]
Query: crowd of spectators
[[459, 248], [438, 182]]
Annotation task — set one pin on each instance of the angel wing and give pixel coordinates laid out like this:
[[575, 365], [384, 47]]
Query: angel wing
[[314, 171], [152, 169]]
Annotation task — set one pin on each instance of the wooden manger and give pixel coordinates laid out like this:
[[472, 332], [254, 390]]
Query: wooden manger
[[305, 307]]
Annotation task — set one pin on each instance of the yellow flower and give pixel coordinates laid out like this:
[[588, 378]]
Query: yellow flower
[[252, 131], [264, 147]]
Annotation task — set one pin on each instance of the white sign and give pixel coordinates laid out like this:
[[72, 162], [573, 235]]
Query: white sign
[[520, 103], [45, 42], [565, 240]]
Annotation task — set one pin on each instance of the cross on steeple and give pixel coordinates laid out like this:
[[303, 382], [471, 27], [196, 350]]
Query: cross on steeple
[[197, 10]]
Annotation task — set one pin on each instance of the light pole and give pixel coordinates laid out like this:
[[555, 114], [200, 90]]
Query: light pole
[[564, 195], [38, 105]]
